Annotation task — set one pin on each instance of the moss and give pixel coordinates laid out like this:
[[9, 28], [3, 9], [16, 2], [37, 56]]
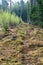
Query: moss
[[23, 47]]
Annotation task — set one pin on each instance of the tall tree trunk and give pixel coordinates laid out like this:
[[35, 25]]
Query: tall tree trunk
[[10, 6], [33, 3], [10, 13]]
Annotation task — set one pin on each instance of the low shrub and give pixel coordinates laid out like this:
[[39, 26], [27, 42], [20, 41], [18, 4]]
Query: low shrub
[[6, 18]]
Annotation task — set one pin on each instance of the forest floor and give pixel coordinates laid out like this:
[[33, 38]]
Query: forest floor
[[22, 45]]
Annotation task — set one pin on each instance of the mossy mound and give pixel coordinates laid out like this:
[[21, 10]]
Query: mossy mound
[[22, 45]]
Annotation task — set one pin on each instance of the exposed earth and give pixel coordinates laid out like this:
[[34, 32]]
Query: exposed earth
[[22, 45]]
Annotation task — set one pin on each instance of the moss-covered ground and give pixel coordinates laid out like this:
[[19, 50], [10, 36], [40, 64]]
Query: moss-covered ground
[[22, 45]]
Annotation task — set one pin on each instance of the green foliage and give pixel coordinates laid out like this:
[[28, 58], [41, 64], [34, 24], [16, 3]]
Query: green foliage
[[15, 19], [37, 13], [34, 16], [41, 24], [31, 12], [6, 18], [20, 32]]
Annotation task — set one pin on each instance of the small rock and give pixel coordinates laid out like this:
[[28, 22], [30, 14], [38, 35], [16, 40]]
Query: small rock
[[14, 37]]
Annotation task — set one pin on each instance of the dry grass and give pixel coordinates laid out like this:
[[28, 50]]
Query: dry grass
[[23, 45]]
